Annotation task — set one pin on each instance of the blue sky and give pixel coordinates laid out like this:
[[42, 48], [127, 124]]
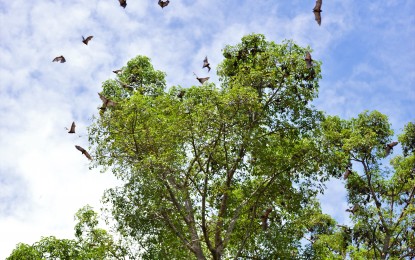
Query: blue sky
[[367, 49]]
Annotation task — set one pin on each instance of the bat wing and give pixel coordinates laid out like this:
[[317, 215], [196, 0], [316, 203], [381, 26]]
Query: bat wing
[[203, 80], [317, 17], [317, 7], [87, 155], [60, 59], [72, 130], [83, 151], [117, 71], [87, 39]]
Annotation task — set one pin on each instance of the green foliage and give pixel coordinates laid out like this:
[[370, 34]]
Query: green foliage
[[90, 243], [381, 198], [200, 168]]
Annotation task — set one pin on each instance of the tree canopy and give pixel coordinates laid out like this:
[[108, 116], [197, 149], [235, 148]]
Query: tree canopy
[[233, 171], [202, 168]]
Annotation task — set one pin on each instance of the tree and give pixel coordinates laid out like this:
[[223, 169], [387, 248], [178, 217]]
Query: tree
[[90, 243], [215, 172], [381, 197]]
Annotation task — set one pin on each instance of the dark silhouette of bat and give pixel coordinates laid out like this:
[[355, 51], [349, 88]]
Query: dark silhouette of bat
[[72, 130], [123, 3], [264, 219], [353, 209], [60, 59], [106, 102], [87, 39], [117, 71], [163, 3], [308, 60], [389, 147], [317, 11], [181, 94], [84, 152], [206, 64], [201, 80], [347, 173]]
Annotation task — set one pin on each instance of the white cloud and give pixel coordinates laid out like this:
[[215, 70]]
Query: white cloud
[[44, 179]]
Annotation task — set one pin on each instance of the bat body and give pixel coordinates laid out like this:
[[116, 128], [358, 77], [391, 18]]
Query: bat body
[[206, 64], [60, 59], [72, 130], [181, 94], [347, 173], [84, 152], [163, 3], [264, 218], [87, 39], [308, 60], [123, 3], [106, 102], [317, 11], [201, 80], [389, 147]]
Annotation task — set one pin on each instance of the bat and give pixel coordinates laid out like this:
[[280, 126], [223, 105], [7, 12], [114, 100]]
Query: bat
[[264, 218], [347, 173], [308, 60], [60, 59], [84, 152], [317, 11], [389, 147], [163, 3], [106, 102], [206, 64], [123, 3], [201, 80], [87, 39], [72, 130], [117, 71], [181, 94]]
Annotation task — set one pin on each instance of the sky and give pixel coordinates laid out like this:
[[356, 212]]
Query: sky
[[367, 49]]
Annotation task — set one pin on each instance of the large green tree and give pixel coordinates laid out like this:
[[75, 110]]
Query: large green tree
[[381, 194], [216, 172], [90, 242]]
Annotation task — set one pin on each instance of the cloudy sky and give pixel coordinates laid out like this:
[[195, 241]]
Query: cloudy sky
[[367, 49]]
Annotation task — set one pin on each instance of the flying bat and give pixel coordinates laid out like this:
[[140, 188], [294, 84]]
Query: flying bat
[[72, 130], [308, 60], [389, 147], [106, 102], [87, 39], [124, 85], [201, 80], [60, 59], [206, 64], [317, 11], [84, 152], [264, 218], [163, 3], [123, 3], [117, 71]]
